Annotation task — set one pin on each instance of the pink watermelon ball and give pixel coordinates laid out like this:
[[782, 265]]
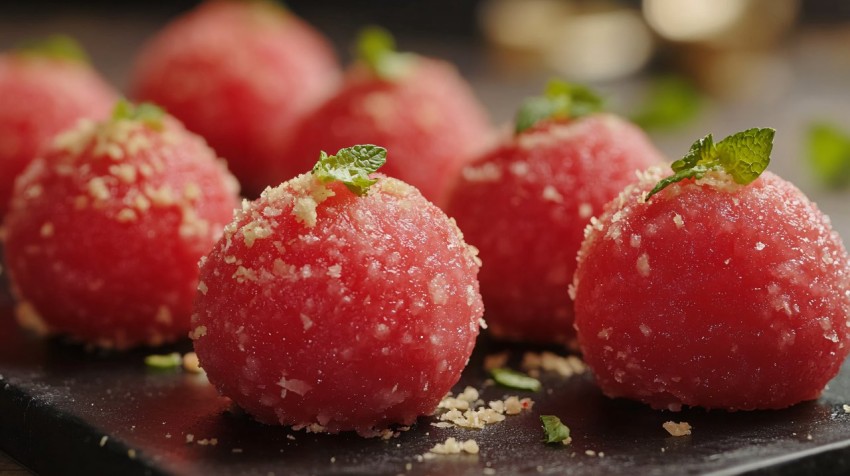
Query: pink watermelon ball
[[105, 231], [713, 294], [39, 97], [428, 119], [240, 74], [325, 310], [525, 205]]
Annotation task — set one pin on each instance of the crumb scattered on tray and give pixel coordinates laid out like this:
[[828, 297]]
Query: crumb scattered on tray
[[551, 362], [467, 410], [677, 429], [452, 447]]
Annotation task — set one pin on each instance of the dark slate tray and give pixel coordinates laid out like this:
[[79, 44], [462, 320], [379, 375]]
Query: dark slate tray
[[58, 402]]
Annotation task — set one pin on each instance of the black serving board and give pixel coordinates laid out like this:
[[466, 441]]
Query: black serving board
[[64, 410]]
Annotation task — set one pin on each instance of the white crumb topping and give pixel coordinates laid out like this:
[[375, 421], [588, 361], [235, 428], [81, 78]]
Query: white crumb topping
[[677, 219], [198, 332], [645, 330], [551, 194], [634, 241], [760, 246], [299, 387], [306, 322], [46, 230], [642, 265], [438, 289], [202, 288], [487, 172], [335, 271], [191, 363], [585, 210]]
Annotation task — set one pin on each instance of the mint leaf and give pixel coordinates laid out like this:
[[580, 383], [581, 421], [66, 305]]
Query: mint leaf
[[556, 432], [744, 156], [146, 112], [164, 362], [60, 47], [561, 100], [351, 166], [670, 102], [829, 154], [513, 379], [376, 48]]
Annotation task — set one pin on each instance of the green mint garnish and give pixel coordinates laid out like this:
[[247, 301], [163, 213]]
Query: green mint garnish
[[670, 101], [829, 154], [561, 100], [351, 166], [744, 156], [513, 379], [556, 432], [59, 47], [376, 48], [164, 361], [146, 112]]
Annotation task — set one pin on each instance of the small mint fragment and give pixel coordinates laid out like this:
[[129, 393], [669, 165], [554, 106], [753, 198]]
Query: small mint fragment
[[561, 100], [351, 166], [61, 47], [164, 361], [556, 432], [146, 112], [744, 156], [376, 48], [829, 154], [513, 379]]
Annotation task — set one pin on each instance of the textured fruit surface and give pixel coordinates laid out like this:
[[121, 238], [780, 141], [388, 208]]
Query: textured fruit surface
[[40, 97], [428, 120], [713, 294], [525, 206], [325, 310], [105, 231], [239, 74]]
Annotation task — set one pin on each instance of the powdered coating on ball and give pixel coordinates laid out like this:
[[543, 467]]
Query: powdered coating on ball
[[713, 294], [105, 231], [325, 310], [525, 206]]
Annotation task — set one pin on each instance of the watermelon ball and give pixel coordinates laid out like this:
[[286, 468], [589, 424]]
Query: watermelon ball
[[420, 109], [240, 74], [724, 289], [105, 231], [329, 308], [525, 204], [44, 88]]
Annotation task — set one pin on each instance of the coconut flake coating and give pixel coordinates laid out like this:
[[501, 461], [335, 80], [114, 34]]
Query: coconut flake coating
[[40, 97], [525, 206], [713, 294], [428, 120], [105, 231], [239, 74], [325, 310]]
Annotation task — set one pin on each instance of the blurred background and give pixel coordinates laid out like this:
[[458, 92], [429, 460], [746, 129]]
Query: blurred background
[[680, 68]]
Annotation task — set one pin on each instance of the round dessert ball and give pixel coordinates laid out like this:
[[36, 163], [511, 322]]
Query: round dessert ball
[[239, 74], [713, 294], [525, 205], [105, 231], [41, 95], [427, 118], [334, 312]]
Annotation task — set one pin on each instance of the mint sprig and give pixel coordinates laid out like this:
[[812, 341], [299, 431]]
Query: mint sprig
[[377, 49], [513, 379], [59, 47], [164, 361], [561, 100], [829, 154], [556, 432], [351, 166], [744, 156], [146, 112]]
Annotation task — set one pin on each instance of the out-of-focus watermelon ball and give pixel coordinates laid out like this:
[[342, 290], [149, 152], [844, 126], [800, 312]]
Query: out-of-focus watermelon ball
[[713, 292], [105, 231], [239, 74], [525, 205], [325, 309], [420, 109], [44, 89]]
